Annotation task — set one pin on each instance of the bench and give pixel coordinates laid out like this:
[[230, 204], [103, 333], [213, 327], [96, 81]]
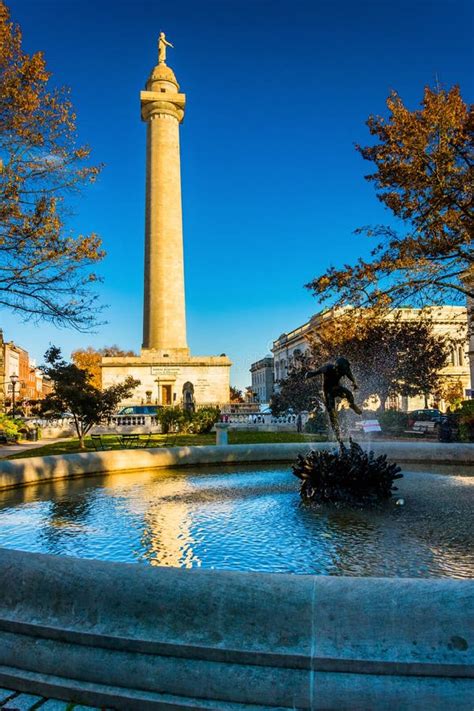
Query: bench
[[135, 441], [98, 443], [366, 427], [371, 426]]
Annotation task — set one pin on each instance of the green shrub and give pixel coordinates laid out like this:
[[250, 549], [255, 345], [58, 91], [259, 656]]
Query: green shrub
[[172, 419], [10, 427], [317, 423], [466, 421], [178, 419], [203, 420], [393, 421]]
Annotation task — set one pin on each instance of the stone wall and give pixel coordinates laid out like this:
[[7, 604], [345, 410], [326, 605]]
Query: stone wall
[[37, 470]]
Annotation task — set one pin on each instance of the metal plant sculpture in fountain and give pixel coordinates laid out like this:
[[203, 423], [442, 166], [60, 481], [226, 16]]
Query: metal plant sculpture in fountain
[[348, 474]]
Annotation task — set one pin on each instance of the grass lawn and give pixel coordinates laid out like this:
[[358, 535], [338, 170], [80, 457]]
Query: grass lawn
[[71, 446]]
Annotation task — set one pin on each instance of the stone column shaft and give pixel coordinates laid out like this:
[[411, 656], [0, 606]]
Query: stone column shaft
[[164, 319]]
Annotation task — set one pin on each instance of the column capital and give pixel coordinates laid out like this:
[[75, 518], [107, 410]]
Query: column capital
[[162, 102]]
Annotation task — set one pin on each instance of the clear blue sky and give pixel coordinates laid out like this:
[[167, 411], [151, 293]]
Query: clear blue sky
[[277, 95]]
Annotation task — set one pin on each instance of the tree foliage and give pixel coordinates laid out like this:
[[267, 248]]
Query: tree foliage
[[424, 173], [452, 392], [295, 392], [44, 267], [389, 356], [74, 393], [90, 358], [235, 394]]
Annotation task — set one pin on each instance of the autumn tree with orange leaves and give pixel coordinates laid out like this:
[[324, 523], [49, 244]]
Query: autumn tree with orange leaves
[[424, 173], [89, 359], [44, 268]]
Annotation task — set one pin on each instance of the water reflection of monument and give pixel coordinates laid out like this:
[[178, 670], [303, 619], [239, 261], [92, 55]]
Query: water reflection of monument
[[165, 366], [167, 538]]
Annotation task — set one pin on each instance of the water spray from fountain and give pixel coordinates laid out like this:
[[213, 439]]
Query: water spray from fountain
[[348, 474]]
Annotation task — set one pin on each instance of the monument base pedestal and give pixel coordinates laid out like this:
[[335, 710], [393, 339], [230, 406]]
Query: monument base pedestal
[[165, 377]]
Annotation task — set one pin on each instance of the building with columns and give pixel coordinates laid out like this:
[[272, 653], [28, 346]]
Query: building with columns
[[168, 373], [447, 321], [263, 379]]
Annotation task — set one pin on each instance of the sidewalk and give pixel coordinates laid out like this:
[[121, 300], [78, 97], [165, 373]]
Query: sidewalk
[[17, 701], [7, 450]]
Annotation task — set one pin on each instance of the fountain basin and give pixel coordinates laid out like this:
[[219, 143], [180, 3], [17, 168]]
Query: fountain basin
[[133, 637], [137, 637]]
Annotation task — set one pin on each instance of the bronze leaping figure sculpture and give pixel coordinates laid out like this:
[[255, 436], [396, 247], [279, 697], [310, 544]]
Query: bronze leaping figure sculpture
[[332, 374]]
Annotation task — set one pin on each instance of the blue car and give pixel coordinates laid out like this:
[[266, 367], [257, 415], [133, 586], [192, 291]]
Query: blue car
[[139, 410]]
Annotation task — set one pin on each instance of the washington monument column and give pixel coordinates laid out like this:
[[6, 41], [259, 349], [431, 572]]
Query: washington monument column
[[168, 373], [162, 107]]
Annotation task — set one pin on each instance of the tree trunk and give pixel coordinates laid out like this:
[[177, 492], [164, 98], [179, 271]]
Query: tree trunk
[[383, 399], [81, 435]]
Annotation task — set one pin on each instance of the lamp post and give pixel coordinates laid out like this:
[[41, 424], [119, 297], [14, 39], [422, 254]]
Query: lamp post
[[13, 379]]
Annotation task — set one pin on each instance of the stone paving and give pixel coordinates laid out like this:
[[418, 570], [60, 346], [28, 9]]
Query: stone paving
[[16, 701]]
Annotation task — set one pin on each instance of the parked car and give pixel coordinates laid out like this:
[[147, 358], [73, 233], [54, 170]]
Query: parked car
[[139, 410], [425, 415]]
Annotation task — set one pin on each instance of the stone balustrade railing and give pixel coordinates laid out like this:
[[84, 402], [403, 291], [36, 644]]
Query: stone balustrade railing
[[263, 421], [132, 420], [60, 427], [61, 422], [121, 424]]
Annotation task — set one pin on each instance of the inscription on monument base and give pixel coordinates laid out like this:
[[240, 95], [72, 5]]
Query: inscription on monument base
[[164, 372]]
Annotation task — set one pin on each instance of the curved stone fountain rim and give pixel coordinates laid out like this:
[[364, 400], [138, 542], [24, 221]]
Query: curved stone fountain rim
[[136, 637], [35, 470]]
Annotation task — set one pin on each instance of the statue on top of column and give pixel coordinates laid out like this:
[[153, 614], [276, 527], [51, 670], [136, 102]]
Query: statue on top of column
[[162, 45]]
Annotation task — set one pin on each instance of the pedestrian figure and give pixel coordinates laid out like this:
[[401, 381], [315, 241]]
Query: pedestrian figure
[[299, 423]]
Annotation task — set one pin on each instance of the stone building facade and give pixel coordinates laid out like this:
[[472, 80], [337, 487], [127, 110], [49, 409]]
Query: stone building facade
[[32, 384], [263, 379], [447, 321]]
